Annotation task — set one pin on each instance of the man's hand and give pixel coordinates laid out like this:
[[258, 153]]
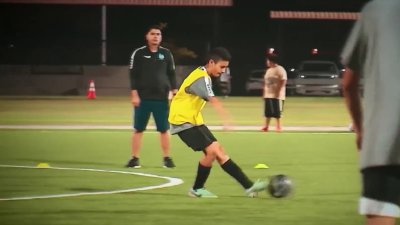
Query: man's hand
[[135, 98], [135, 101]]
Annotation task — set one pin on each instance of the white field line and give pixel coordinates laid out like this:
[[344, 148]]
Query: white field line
[[171, 182]]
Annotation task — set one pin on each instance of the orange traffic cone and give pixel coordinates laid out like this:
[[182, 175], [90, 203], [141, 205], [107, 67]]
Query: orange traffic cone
[[91, 93]]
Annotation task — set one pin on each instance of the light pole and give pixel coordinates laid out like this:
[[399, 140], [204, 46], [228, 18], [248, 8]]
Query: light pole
[[103, 35]]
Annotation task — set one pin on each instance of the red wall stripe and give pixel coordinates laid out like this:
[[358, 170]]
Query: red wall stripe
[[314, 15]]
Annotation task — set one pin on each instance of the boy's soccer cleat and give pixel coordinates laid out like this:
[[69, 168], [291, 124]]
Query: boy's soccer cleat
[[134, 163], [257, 187], [201, 193], [264, 129], [168, 163]]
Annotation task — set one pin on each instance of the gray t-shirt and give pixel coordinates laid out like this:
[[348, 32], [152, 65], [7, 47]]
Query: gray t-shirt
[[373, 50], [202, 87]]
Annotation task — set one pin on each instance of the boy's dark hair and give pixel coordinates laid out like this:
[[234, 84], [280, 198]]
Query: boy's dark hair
[[273, 58], [218, 54]]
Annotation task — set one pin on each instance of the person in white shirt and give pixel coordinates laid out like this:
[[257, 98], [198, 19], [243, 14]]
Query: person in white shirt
[[274, 92]]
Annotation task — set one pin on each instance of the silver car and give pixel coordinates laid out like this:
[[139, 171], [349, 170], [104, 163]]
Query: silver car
[[317, 78], [255, 82]]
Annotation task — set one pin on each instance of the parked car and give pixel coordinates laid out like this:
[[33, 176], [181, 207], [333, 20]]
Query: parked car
[[255, 82], [225, 82], [315, 77]]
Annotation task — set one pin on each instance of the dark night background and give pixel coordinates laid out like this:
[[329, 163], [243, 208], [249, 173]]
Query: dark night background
[[71, 34]]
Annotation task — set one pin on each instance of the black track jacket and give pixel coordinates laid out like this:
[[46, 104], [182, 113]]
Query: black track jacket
[[152, 74]]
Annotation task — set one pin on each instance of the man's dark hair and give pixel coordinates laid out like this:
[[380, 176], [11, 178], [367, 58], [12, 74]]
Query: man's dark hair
[[154, 26], [218, 54], [273, 58]]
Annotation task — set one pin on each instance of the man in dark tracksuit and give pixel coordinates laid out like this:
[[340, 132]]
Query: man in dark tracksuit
[[153, 81]]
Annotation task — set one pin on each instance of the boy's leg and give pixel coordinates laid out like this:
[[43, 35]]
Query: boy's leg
[[278, 125], [230, 167], [277, 113], [200, 138], [236, 172], [271, 109], [266, 126], [202, 175], [266, 123], [203, 171]]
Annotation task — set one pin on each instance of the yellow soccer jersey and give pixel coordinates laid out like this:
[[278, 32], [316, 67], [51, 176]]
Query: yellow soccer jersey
[[190, 99]]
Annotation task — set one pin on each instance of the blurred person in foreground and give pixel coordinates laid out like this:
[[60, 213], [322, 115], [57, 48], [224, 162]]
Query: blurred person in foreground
[[152, 79], [187, 122], [373, 52], [274, 92]]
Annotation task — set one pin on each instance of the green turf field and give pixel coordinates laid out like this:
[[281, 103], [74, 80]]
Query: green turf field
[[323, 167], [299, 111]]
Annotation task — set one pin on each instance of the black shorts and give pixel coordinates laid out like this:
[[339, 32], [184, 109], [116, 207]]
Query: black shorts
[[198, 138], [159, 109], [382, 184], [272, 107]]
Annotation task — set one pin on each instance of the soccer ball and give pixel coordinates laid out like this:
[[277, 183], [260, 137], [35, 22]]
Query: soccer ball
[[280, 186]]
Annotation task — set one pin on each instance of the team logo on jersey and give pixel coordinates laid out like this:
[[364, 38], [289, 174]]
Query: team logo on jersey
[[161, 56]]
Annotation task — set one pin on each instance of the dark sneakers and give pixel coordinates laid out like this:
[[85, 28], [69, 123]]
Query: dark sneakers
[[168, 163], [134, 163]]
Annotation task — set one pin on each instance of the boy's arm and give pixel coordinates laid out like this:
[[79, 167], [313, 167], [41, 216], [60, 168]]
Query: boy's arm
[[224, 115], [282, 82], [202, 87]]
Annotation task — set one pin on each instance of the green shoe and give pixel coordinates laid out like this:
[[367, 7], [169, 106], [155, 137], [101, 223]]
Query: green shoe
[[201, 193], [258, 186]]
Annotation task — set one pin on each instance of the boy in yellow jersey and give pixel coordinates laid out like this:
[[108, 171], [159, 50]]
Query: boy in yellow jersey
[[187, 122]]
